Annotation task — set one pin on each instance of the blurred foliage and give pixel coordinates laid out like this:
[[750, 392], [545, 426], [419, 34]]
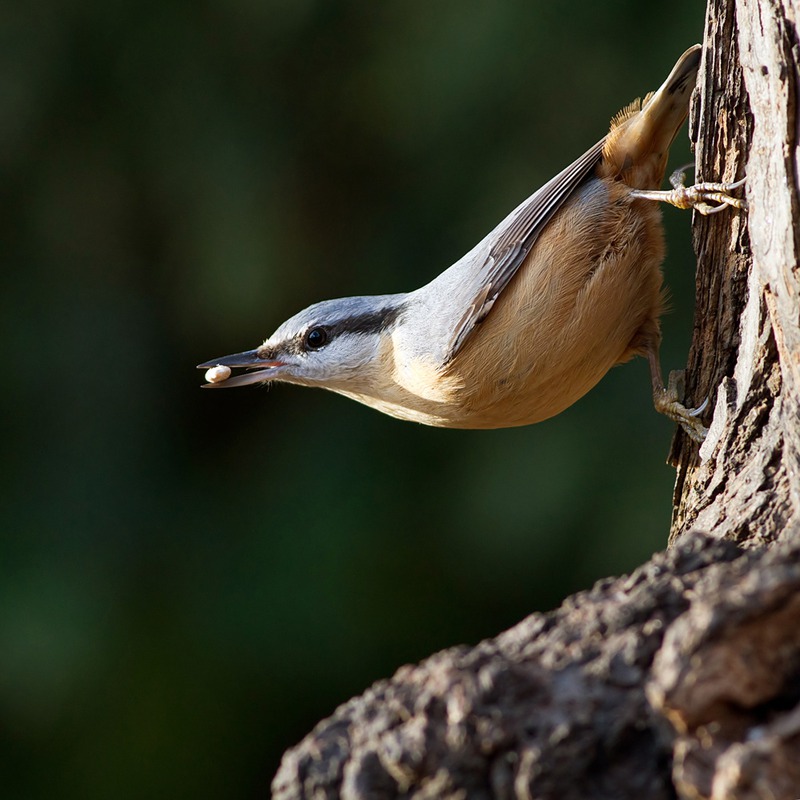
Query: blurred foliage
[[189, 580]]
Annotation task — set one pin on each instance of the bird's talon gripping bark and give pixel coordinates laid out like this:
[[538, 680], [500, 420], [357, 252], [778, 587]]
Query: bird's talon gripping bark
[[705, 198], [696, 412], [667, 401]]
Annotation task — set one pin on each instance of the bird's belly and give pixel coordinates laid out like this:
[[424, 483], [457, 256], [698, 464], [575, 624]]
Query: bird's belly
[[581, 304]]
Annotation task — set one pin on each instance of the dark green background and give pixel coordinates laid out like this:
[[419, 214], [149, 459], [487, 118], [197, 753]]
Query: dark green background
[[189, 580]]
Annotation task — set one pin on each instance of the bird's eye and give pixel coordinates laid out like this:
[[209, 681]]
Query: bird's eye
[[316, 338]]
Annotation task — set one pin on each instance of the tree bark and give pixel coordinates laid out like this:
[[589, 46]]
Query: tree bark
[[684, 677], [746, 349]]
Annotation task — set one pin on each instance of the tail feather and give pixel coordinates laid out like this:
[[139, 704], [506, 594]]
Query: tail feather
[[638, 143]]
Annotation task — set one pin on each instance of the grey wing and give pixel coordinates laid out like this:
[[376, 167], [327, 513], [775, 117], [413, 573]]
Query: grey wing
[[515, 242]]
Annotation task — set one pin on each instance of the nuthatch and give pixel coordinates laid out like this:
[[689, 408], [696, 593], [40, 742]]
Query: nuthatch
[[564, 288]]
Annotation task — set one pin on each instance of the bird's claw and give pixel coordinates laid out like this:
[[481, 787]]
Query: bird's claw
[[701, 196], [696, 412], [667, 401]]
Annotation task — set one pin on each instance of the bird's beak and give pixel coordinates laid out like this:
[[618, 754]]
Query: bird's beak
[[265, 369]]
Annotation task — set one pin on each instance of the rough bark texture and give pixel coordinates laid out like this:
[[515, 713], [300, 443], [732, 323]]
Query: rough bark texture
[[746, 349], [682, 679]]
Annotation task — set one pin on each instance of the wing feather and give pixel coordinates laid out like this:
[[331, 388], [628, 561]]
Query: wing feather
[[516, 240]]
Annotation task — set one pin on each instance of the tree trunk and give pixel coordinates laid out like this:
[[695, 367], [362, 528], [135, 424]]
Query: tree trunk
[[684, 677], [746, 349]]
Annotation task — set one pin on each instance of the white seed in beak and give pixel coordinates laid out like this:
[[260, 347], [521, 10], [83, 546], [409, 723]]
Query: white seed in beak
[[218, 374]]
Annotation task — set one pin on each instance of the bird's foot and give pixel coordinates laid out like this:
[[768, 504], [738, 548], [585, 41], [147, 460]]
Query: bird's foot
[[668, 401], [706, 198]]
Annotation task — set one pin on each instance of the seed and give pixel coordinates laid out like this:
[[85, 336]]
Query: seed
[[218, 374]]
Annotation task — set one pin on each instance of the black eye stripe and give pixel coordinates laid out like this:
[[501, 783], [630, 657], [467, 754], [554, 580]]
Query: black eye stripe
[[367, 323], [360, 325]]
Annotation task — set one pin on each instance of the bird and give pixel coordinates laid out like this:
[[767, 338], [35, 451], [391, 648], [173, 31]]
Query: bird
[[567, 286]]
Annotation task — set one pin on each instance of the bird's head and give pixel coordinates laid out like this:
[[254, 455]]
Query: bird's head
[[334, 344]]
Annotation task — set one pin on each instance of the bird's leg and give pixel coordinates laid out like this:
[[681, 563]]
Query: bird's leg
[[668, 399], [699, 197]]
